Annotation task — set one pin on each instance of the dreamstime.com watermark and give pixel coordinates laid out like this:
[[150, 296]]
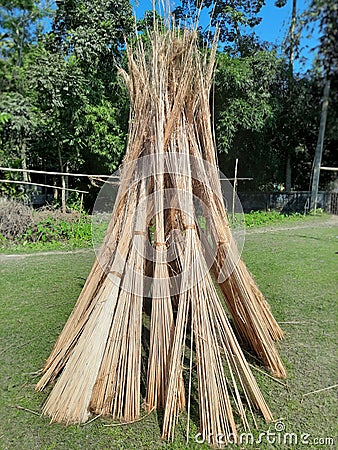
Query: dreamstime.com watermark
[[279, 436]]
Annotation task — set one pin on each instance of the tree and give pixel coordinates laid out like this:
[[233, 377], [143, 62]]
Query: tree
[[242, 100], [292, 43], [62, 86], [245, 107], [21, 25], [17, 130], [323, 13], [233, 17], [292, 39], [85, 105], [88, 36]]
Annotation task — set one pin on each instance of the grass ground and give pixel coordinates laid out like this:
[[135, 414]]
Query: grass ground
[[294, 266]]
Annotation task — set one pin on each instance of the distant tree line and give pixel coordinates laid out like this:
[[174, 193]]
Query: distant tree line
[[63, 107]]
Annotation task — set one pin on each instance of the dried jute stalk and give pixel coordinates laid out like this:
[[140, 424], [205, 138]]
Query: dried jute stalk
[[161, 305]]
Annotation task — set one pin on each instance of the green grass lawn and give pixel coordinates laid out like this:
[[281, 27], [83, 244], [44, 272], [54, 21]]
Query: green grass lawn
[[295, 268]]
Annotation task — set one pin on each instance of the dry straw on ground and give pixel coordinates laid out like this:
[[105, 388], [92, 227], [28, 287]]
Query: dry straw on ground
[[97, 359]]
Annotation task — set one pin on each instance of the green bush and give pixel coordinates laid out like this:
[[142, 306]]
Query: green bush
[[259, 218], [58, 229], [22, 225]]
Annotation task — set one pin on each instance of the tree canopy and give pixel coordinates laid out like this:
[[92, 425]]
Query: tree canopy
[[63, 107]]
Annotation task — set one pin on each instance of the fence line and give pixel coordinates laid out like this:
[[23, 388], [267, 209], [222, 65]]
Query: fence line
[[44, 185], [333, 169], [42, 172]]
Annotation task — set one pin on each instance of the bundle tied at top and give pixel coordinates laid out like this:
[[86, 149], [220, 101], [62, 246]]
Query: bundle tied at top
[[161, 309]]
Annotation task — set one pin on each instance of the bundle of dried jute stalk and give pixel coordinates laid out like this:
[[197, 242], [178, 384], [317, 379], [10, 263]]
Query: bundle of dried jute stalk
[[151, 294]]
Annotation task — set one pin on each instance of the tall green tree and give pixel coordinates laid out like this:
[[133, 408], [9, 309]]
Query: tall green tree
[[21, 24], [324, 14], [86, 37], [74, 81], [245, 107], [292, 44], [61, 101], [235, 18]]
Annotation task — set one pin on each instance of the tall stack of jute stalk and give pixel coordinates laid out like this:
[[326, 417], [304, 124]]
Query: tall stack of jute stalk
[[159, 260]]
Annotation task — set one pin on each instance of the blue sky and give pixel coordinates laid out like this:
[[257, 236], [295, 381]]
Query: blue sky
[[273, 27]]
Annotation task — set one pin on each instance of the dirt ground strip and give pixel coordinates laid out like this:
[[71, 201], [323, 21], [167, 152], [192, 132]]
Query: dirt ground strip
[[332, 221]]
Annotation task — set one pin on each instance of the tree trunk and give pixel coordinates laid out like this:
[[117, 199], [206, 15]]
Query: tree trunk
[[63, 182], [63, 194], [23, 156], [21, 42], [288, 170], [66, 181], [234, 192], [319, 149], [56, 191], [292, 36], [288, 173]]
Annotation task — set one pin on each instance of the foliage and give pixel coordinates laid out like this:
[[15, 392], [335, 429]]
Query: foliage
[[50, 229], [100, 131], [20, 224], [242, 99], [92, 31], [248, 104], [81, 108], [233, 17], [21, 23], [63, 108], [323, 15], [18, 127], [260, 218], [65, 91], [260, 119]]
